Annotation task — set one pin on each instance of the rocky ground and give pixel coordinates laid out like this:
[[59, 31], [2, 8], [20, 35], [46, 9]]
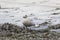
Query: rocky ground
[[10, 31]]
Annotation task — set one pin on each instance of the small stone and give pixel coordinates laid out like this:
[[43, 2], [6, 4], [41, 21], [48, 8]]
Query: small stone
[[37, 25], [57, 9], [55, 13]]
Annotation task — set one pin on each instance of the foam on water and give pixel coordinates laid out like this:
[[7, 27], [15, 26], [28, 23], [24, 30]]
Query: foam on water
[[42, 10]]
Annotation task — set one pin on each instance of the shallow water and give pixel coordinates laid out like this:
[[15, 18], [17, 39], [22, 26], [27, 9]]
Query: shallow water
[[13, 11]]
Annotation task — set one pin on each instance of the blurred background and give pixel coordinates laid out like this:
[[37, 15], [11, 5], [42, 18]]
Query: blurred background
[[16, 3]]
